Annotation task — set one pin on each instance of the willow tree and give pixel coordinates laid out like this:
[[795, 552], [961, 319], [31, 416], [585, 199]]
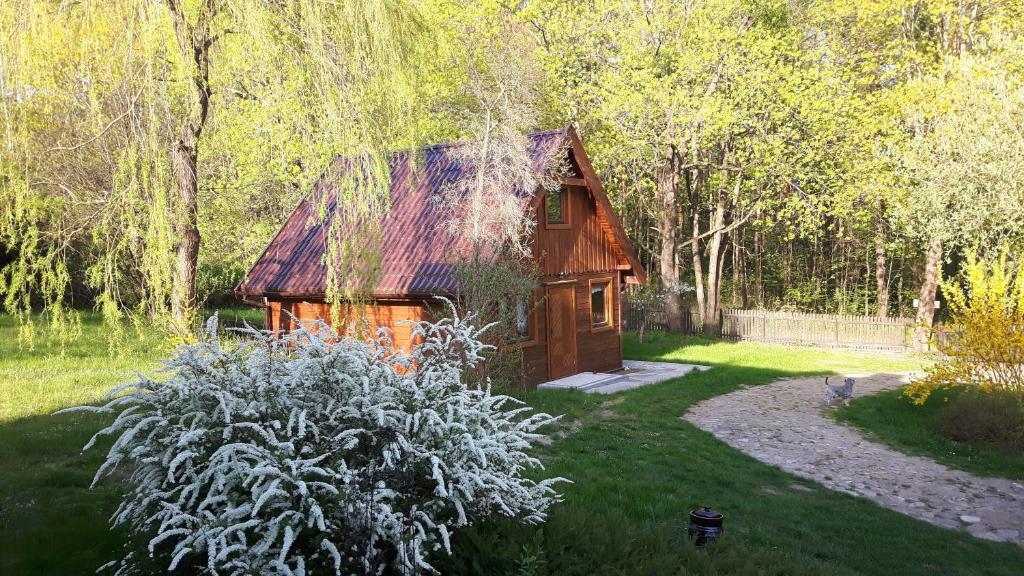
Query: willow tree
[[499, 78], [123, 121]]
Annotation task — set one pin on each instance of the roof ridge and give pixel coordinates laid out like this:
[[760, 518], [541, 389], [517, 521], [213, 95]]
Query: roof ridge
[[454, 143]]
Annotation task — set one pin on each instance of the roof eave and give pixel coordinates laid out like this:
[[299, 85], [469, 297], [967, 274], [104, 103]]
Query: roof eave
[[601, 198]]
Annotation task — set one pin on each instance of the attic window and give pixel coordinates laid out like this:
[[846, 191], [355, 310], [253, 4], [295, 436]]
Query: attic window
[[554, 208]]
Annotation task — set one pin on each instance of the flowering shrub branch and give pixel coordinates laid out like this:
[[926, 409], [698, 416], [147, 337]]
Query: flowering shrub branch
[[310, 454], [985, 349]]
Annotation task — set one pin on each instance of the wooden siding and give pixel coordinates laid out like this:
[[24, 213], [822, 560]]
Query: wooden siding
[[397, 316], [579, 253], [582, 252], [585, 246], [596, 350]]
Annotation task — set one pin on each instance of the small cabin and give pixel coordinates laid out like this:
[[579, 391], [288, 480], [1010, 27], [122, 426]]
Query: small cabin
[[581, 250]]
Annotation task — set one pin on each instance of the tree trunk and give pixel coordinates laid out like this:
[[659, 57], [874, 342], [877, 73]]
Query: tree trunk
[[712, 321], [194, 42], [787, 273], [739, 262], [881, 266], [926, 297], [899, 282], [666, 181], [734, 252], [183, 300], [698, 268], [844, 281], [881, 276], [867, 280], [759, 266]]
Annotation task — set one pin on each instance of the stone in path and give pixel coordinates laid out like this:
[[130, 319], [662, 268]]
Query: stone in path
[[784, 424]]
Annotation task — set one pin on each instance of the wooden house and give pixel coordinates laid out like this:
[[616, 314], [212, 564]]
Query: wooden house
[[582, 253]]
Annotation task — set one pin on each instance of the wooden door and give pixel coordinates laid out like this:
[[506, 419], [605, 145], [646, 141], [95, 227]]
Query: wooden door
[[561, 312]]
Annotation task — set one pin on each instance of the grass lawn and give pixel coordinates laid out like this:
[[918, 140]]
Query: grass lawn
[[50, 522], [637, 469], [893, 419]]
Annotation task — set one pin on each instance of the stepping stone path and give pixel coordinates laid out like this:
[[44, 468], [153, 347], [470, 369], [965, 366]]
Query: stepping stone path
[[784, 424]]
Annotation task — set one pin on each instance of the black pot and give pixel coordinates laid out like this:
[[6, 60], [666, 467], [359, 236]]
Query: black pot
[[705, 525]]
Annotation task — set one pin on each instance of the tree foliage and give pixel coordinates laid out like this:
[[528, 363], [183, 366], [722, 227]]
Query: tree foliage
[[827, 156], [984, 350], [790, 144], [133, 129]]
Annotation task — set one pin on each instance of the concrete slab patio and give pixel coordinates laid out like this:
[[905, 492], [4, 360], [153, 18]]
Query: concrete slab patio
[[636, 373]]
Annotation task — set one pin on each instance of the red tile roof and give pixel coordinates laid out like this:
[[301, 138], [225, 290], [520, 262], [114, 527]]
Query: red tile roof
[[417, 252]]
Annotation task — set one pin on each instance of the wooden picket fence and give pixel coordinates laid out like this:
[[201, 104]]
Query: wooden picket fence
[[831, 330]]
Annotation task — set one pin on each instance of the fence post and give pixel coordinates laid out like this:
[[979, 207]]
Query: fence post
[[837, 330]]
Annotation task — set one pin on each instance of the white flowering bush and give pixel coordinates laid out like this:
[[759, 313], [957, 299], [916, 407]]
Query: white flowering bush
[[310, 454]]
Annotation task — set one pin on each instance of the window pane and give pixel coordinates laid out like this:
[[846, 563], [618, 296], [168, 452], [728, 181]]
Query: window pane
[[598, 307], [553, 203], [522, 319]]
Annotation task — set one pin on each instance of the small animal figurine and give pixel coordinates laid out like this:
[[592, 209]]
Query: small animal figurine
[[844, 392]]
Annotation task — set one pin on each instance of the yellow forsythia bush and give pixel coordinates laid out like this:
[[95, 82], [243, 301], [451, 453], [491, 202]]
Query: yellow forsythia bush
[[985, 349]]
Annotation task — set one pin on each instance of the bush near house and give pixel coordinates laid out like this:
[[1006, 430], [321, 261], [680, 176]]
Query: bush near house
[[310, 454], [982, 360]]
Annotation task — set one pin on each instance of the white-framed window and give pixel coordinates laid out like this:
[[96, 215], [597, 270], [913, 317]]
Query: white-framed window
[[601, 303]]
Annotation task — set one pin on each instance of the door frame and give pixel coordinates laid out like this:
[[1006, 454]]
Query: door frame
[[571, 286]]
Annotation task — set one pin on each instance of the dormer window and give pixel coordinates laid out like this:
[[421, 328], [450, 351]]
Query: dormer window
[[555, 213]]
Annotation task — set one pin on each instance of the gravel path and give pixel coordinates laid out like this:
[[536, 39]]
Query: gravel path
[[783, 424]]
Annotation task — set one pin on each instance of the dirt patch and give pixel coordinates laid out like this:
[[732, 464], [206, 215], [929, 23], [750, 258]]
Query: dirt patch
[[613, 402]]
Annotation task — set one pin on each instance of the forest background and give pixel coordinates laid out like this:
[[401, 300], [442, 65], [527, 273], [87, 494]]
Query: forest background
[[828, 156]]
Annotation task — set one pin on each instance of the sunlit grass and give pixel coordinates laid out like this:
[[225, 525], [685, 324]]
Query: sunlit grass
[[795, 359], [55, 375]]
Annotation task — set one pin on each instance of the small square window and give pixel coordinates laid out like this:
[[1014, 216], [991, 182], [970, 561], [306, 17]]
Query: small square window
[[554, 206], [600, 304]]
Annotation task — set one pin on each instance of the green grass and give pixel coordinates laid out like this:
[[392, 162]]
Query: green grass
[[50, 521], [49, 377], [894, 419], [637, 469]]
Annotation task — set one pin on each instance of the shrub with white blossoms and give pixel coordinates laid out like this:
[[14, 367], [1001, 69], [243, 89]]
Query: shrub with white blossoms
[[310, 454]]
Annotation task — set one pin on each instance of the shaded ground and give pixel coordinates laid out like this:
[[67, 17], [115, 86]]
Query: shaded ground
[[783, 424]]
